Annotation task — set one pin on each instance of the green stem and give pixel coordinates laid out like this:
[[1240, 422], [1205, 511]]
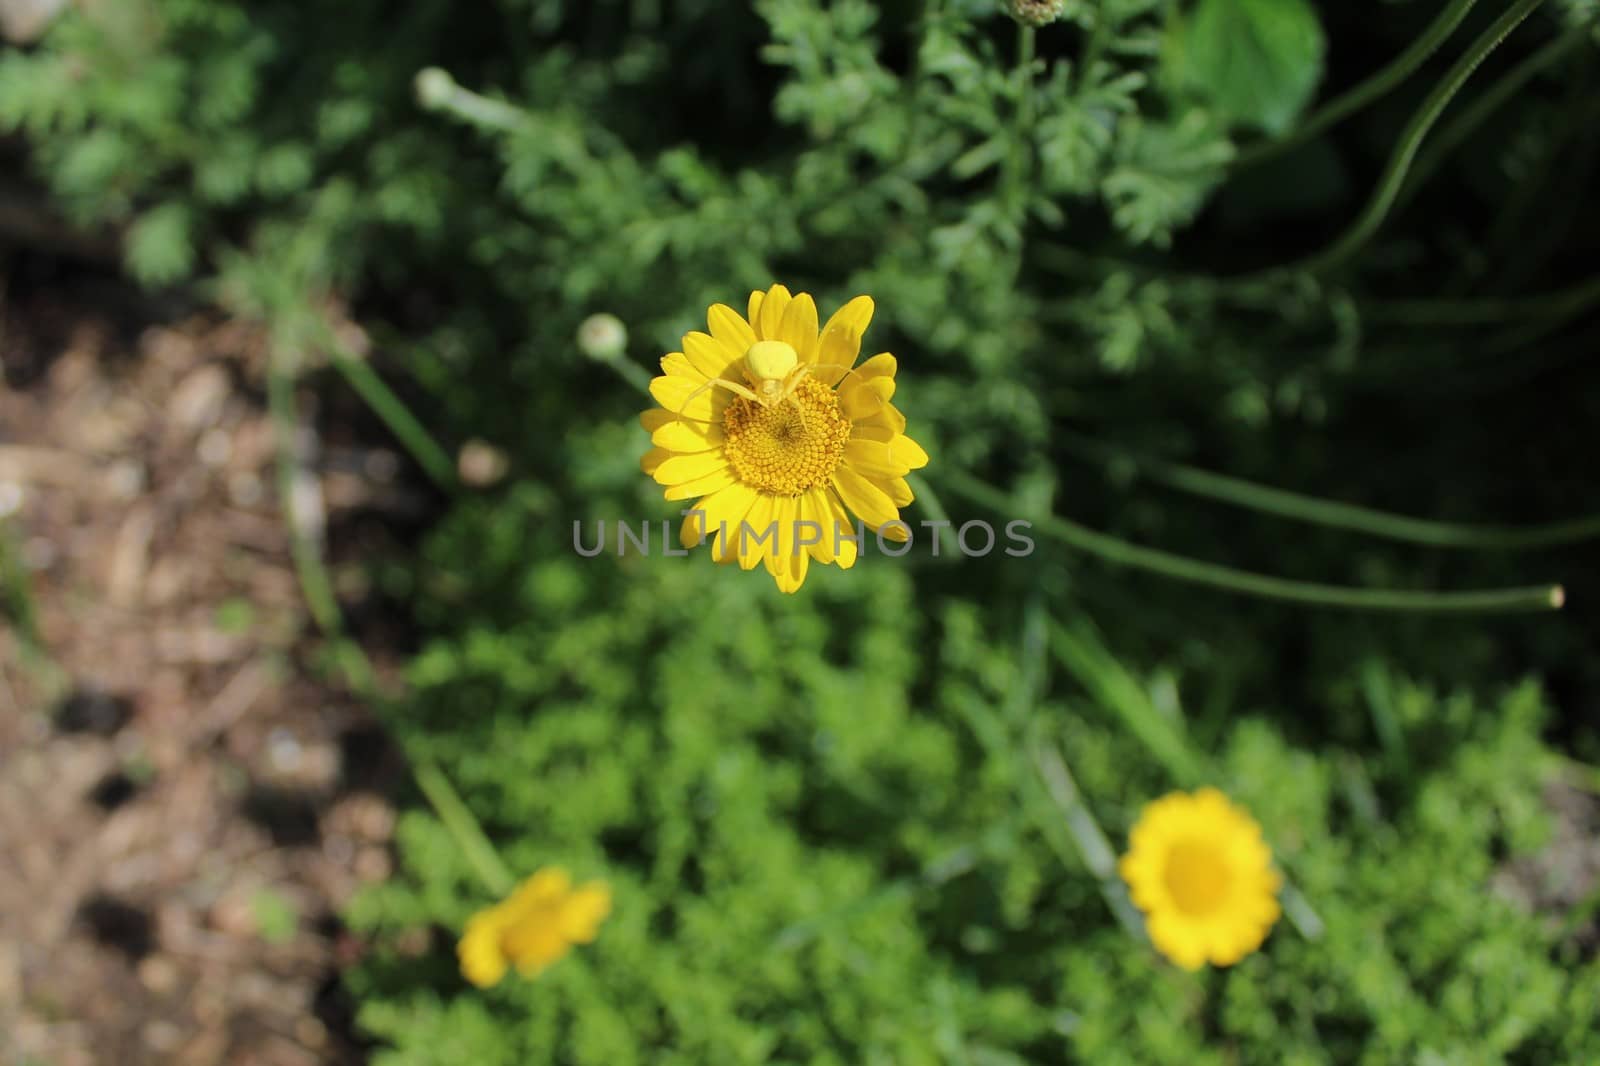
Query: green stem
[[1560, 304], [1183, 568], [317, 588], [1316, 511], [1112, 686], [1374, 88], [916, 79], [463, 827], [19, 596], [1490, 101], [934, 506], [1022, 146], [1394, 174], [629, 371], [406, 427], [22, 611], [1093, 847], [438, 91]]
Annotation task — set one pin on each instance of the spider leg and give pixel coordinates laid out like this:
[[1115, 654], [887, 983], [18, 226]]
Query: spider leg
[[731, 386], [832, 366]]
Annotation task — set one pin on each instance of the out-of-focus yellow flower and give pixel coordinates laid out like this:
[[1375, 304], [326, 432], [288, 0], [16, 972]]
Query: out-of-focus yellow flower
[[769, 423], [1201, 873], [533, 927]]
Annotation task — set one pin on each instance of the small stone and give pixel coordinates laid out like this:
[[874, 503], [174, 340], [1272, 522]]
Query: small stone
[[215, 447], [39, 553], [159, 974], [245, 490], [373, 864]]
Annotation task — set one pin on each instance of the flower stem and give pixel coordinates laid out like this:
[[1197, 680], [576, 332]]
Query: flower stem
[[406, 427], [1358, 97], [1394, 174], [462, 827], [629, 371], [438, 91], [1489, 101], [1183, 568], [934, 506], [1102, 674], [1321, 512], [1560, 304], [317, 589], [21, 611], [1022, 146], [1093, 846]]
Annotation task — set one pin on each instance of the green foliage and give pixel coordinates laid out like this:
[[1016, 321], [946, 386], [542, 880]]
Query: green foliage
[[1257, 61], [824, 816]]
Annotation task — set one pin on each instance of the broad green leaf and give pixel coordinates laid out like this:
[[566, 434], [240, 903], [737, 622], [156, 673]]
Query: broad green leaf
[[1256, 61]]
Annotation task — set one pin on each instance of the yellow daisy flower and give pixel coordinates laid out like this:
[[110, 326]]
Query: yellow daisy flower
[[1199, 870], [771, 427], [531, 928]]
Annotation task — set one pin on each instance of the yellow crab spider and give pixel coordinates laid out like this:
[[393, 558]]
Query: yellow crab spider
[[774, 371]]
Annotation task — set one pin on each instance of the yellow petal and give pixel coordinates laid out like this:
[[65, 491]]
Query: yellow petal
[[478, 951], [733, 331], [841, 339], [756, 524], [753, 310], [814, 507], [790, 562], [888, 417], [545, 886], [879, 366], [872, 458], [799, 327], [681, 436], [713, 358], [684, 467], [795, 574], [899, 492], [717, 479], [677, 364], [855, 315], [836, 354], [686, 399], [773, 305], [909, 452], [583, 912], [841, 529], [866, 398], [784, 512], [723, 511], [653, 458], [864, 498], [655, 418]]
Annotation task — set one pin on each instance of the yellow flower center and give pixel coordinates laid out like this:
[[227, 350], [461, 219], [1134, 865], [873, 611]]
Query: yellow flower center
[[790, 446], [535, 938], [1197, 876]]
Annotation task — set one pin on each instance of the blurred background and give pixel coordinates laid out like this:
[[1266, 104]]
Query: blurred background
[[1276, 318]]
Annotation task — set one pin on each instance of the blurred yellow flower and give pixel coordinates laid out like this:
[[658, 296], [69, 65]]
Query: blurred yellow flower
[[1201, 873], [533, 927], [768, 423]]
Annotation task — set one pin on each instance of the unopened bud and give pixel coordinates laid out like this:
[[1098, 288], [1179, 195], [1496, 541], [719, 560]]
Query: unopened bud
[[603, 337], [434, 87], [1034, 12]]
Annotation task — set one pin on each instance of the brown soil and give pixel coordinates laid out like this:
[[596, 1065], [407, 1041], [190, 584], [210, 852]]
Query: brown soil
[[184, 803]]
